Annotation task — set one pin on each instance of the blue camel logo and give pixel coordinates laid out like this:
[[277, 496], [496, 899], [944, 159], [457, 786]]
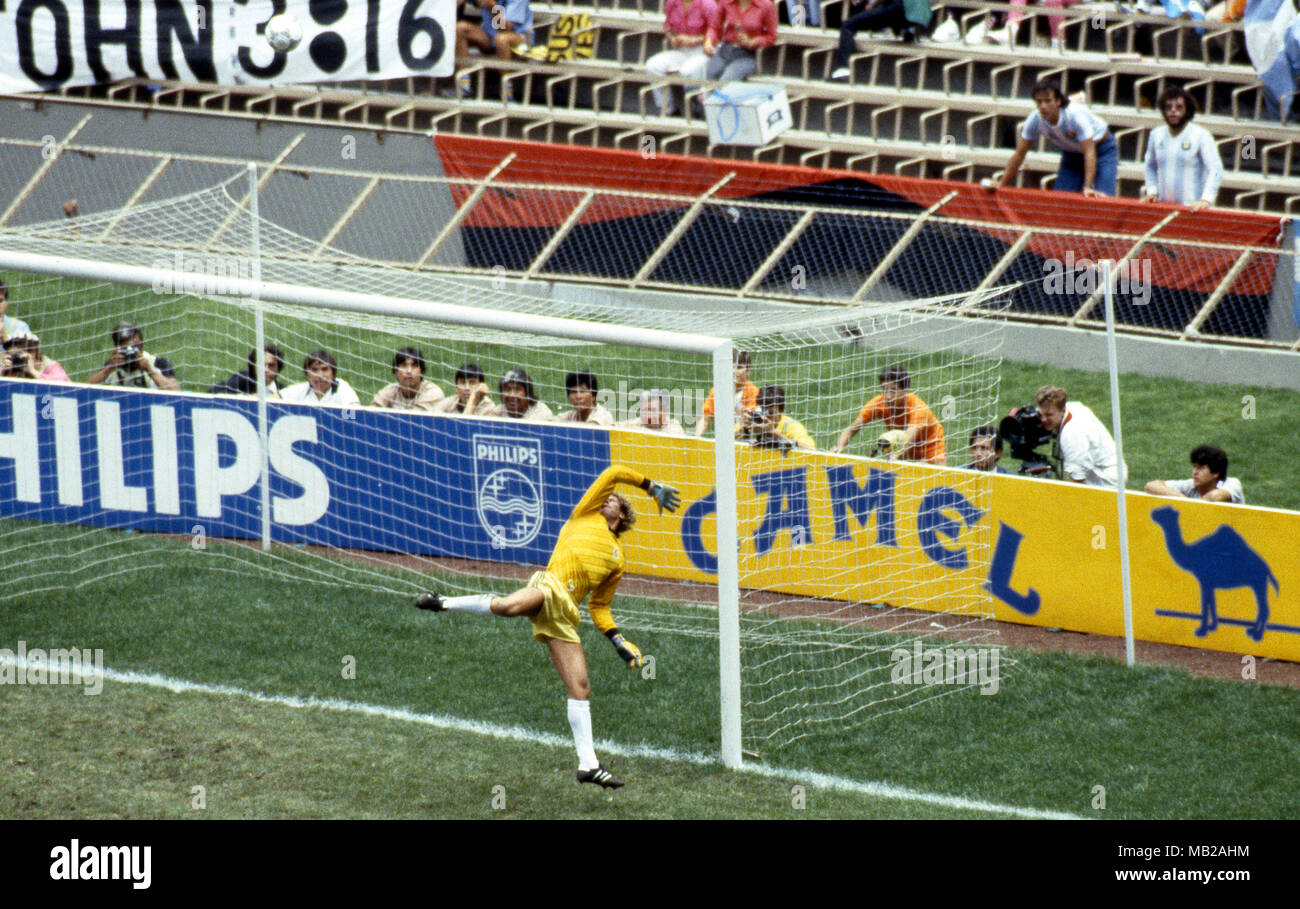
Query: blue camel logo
[[1219, 561]]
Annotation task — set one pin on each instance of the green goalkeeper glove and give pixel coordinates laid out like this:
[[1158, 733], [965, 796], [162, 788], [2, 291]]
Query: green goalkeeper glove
[[666, 496], [630, 653]]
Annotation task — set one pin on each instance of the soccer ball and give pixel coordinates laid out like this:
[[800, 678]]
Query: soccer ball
[[891, 442], [283, 32]]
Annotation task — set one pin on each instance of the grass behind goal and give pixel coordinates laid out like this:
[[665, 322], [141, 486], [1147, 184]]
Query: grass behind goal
[[1161, 743]]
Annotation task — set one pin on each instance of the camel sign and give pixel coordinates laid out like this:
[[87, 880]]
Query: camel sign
[[1213, 576], [1221, 560], [1042, 552]]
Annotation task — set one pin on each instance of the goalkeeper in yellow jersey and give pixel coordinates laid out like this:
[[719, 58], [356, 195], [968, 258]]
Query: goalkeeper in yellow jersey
[[587, 560]]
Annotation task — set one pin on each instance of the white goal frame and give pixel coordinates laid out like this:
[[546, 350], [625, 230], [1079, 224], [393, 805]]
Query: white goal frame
[[720, 349]]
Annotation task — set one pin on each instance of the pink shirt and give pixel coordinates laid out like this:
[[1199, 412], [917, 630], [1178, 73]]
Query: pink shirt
[[53, 372], [758, 21], [692, 20]]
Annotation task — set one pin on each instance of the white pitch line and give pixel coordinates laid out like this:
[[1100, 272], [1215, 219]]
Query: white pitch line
[[520, 734]]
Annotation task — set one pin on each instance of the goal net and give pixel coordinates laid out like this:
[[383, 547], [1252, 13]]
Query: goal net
[[851, 565]]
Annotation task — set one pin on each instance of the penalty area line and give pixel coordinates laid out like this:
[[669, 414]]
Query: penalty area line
[[521, 734]]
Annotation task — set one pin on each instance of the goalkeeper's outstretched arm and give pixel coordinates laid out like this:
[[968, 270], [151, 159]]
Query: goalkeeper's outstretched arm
[[665, 496]]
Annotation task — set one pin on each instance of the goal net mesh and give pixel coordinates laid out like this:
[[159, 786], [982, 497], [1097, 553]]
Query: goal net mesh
[[846, 559]]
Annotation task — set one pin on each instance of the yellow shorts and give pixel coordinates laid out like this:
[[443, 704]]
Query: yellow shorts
[[559, 616]]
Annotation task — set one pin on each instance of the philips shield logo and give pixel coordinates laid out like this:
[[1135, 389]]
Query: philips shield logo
[[508, 477]]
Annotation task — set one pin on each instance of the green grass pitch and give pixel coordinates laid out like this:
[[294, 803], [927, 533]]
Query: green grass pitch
[[1160, 742]]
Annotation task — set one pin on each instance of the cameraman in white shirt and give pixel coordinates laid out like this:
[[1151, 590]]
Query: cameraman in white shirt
[[1087, 448]]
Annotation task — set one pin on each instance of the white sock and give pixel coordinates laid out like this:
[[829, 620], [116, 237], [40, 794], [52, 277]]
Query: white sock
[[480, 603], [580, 723]]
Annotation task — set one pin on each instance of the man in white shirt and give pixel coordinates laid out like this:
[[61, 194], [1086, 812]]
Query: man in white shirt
[[1089, 155], [1087, 449], [1182, 163], [323, 386], [1209, 480], [9, 325]]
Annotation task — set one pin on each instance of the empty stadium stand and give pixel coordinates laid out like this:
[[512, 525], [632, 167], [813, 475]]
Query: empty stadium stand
[[928, 109]]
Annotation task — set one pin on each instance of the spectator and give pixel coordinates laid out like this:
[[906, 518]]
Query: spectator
[[901, 410], [130, 364], [582, 388], [471, 397], [1210, 480], [23, 360], [1007, 35], [909, 18], [686, 25], [653, 414], [769, 426], [986, 450], [518, 400], [503, 25], [245, 383], [411, 391], [1174, 9], [736, 32], [746, 394], [9, 325], [323, 386], [1087, 449], [1089, 159], [1182, 162]]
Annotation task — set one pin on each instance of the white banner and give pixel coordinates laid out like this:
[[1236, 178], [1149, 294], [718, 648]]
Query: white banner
[[50, 44]]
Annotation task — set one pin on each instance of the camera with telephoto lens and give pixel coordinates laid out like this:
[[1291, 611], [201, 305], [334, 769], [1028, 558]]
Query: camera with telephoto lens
[[1024, 432], [129, 352]]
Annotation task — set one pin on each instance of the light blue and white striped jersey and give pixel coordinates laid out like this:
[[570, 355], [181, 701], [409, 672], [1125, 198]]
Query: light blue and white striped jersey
[[1075, 124], [1184, 168]]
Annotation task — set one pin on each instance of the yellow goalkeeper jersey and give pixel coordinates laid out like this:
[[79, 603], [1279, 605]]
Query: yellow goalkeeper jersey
[[588, 558]]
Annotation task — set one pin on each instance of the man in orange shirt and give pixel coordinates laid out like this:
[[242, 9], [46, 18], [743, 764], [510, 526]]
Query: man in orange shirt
[[587, 559], [746, 394], [900, 409]]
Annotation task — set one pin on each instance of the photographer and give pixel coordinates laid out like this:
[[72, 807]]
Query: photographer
[[23, 360], [130, 364], [1087, 449], [767, 425]]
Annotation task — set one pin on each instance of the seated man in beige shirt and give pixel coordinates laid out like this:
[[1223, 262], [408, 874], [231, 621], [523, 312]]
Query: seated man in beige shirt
[[582, 388], [471, 397], [411, 391], [518, 400]]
